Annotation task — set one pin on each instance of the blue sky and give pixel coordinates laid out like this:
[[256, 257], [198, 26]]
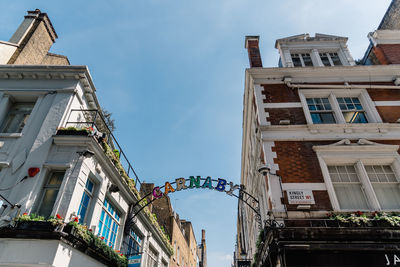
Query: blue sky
[[172, 74]]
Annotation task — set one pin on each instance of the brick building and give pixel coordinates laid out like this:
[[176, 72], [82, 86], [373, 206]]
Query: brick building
[[180, 231], [320, 151]]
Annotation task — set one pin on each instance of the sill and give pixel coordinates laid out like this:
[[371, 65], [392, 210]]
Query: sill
[[10, 135]]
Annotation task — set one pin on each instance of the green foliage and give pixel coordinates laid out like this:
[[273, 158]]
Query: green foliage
[[30, 217], [359, 218]]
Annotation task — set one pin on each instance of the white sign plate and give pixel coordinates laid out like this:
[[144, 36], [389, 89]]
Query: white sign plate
[[300, 196]]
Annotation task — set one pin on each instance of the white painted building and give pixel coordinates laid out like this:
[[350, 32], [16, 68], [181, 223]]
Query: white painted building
[[75, 178]]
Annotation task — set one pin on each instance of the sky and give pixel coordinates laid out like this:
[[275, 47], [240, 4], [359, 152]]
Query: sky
[[172, 74]]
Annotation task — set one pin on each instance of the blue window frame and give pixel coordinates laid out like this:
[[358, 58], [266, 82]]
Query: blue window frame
[[85, 201], [134, 243], [109, 223]]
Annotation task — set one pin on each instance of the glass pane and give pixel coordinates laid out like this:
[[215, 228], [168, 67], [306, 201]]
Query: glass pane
[[388, 195], [296, 60], [318, 100], [350, 197], [340, 100], [327, 118], [347, 100], [47, 204], [324, 59], [355, 117], [335, 59], [355, 100], [89, 185], [307, 59], [56, 178], [310, 101], [17, 117]]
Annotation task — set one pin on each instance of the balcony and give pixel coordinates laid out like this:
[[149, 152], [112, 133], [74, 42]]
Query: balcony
[[91, 122]]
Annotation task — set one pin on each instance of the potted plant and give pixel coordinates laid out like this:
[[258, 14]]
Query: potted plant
[[34, 222], [73, 131]]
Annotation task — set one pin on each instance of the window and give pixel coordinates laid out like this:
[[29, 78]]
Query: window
[[16, 117], [85, 201], [301, 60], [338, 106], [385, 185], [330, 59], [109, 223], [50, 192], [361, 175], [152, 257], [134, 243], [320, 110], [348, 188], [352, 110]]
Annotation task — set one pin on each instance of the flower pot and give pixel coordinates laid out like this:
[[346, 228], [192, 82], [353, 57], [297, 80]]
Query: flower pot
[[36, 226]]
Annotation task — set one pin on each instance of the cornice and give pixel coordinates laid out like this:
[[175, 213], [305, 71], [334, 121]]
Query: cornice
[[375, 73], [53, 72]]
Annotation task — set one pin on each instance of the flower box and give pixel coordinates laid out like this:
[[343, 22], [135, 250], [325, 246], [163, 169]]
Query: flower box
[[36, 226], [72, 132]]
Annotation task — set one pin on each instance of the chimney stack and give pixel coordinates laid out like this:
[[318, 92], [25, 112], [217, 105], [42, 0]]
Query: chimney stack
[[251, 44], [203, 234]]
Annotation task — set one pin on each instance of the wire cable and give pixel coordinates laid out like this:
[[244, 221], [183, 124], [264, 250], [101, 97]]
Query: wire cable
[[8, 188]]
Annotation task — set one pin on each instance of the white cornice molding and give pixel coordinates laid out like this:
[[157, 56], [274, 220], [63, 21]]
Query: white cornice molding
[[374, 73], [361, 145], [384, 37], [52, 72], [311, 132]]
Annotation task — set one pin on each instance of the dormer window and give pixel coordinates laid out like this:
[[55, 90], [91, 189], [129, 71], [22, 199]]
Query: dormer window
[[330, 59], [302, 60]]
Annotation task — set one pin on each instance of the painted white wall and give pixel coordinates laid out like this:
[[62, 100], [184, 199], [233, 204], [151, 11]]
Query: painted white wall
[[6, 51]]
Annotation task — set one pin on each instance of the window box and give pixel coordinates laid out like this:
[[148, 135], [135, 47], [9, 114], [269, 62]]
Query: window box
[[37, 226], [83, 132]]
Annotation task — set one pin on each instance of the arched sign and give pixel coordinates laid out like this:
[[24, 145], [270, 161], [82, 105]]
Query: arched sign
[[220, 185]]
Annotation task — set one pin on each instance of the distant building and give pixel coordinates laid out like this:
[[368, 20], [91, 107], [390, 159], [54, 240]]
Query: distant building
[[180, 231], [320, 151], [202, 250], [59, 158]]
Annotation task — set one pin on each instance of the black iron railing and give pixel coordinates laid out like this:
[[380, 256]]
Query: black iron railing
[[94, 120]]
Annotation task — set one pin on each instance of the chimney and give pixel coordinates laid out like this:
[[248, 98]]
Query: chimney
[[34, 38], [203, 235], [251, 44]]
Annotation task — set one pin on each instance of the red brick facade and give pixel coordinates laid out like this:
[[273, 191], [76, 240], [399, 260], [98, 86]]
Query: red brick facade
[[322, 201], [297, 161], [294, 115], [277, 93], [384, 94], [388, 53], [389, 114]]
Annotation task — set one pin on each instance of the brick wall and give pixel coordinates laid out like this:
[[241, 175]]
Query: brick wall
[[391, 52], [389, 114], [276, 93], [295, 115], [298, 163], [384, 94]]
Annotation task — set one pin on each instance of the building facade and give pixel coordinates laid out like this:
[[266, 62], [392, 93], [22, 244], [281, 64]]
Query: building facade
[[320, 152], [181, 232], [59, 158]]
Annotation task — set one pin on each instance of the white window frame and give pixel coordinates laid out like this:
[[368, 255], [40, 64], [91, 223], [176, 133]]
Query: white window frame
[[328, 53], [362, 94], [358, 154], [299, 53]]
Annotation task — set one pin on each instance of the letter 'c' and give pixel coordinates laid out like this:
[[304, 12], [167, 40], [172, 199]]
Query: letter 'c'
[[155, 190]]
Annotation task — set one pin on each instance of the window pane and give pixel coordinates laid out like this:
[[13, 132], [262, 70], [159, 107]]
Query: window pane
[[350, 196], [335, 59], [47, 204], [296, 60], [17, 117], [319, 118], [307, 60], [355, 117], [324, 59], [56, 178], [388, 195]]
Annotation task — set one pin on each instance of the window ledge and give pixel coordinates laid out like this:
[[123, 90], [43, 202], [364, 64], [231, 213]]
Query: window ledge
[[352, 128], [10, 135]]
